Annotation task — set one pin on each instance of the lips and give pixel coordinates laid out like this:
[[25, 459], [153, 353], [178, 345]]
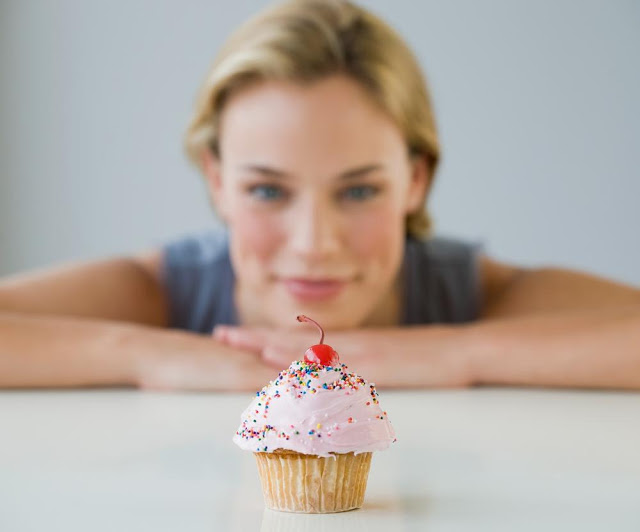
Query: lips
[[314, 289]]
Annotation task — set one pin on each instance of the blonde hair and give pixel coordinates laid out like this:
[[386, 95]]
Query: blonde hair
[[307, 40]]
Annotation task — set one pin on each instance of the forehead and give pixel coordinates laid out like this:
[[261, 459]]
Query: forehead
[[328, 123]]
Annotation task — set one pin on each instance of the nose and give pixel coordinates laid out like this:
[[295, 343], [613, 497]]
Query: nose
[[315, 229]]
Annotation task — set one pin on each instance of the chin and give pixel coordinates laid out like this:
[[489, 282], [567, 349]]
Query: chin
[[331, 317]]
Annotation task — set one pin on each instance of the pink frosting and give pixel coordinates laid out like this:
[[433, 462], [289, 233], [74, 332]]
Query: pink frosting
[[314, 409]]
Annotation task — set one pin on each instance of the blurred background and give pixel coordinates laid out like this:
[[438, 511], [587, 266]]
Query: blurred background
[[537, 103]]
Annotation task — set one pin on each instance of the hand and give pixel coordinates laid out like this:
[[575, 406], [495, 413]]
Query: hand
[[401, 357], [276, 347], [184, 361]]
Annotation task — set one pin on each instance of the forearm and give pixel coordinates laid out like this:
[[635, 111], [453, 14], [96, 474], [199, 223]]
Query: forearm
[[38, 351], [591, 349], [48, 351]]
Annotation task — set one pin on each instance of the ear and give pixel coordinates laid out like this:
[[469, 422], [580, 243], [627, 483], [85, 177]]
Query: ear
[[210, 165], [420, 184]]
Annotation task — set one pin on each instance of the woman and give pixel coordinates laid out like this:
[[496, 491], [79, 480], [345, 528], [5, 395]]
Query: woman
[[317, 139]]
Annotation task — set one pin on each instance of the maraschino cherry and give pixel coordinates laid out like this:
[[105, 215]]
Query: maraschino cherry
[[320, 353]]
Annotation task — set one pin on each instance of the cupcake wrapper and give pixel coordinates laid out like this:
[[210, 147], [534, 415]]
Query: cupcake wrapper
[[294, 482]]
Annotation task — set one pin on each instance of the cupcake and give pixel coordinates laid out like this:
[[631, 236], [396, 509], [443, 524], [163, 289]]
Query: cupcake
[[313, 431]]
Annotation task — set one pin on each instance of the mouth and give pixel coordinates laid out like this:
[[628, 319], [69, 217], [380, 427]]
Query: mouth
[[313, 289]]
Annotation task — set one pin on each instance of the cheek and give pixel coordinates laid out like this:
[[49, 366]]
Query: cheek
[[254, 236], [377, 234]]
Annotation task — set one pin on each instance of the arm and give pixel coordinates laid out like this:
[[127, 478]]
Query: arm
[[544, 327], [55, 351], [553, 327], [511, 292], [62, 328], [588, 349], [126, 289]]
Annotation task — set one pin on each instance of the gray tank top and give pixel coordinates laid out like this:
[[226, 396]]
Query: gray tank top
[[441, 281]]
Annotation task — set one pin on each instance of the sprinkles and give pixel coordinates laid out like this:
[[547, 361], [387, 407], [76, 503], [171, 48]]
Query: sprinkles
[[294, 383]]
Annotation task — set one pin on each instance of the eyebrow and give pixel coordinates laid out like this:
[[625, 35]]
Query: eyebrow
[[353, 173]]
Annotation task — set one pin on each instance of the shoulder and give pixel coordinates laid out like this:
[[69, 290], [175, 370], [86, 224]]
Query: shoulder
[[444, 252], [496, 278], [467, 263], [196, 249]]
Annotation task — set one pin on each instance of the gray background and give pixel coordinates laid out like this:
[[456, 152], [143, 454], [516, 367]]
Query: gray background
[[537, 104]]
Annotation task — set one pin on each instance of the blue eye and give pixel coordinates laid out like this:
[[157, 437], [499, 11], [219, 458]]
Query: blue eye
[[267, 192], [359, 193]]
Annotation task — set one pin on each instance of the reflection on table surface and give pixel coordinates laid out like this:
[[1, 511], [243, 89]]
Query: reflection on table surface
[[485, 459]]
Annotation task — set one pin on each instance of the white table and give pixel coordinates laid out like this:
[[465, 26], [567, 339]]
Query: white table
[[486, 459]]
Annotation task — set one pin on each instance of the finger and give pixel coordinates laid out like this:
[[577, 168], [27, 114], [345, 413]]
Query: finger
[[253, 339], [278, 357], [219, 332]]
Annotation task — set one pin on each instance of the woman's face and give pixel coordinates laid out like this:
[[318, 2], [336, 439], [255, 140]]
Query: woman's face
[[314, 182]]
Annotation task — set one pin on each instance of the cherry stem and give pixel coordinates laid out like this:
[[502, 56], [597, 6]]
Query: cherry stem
[[302, 318]]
